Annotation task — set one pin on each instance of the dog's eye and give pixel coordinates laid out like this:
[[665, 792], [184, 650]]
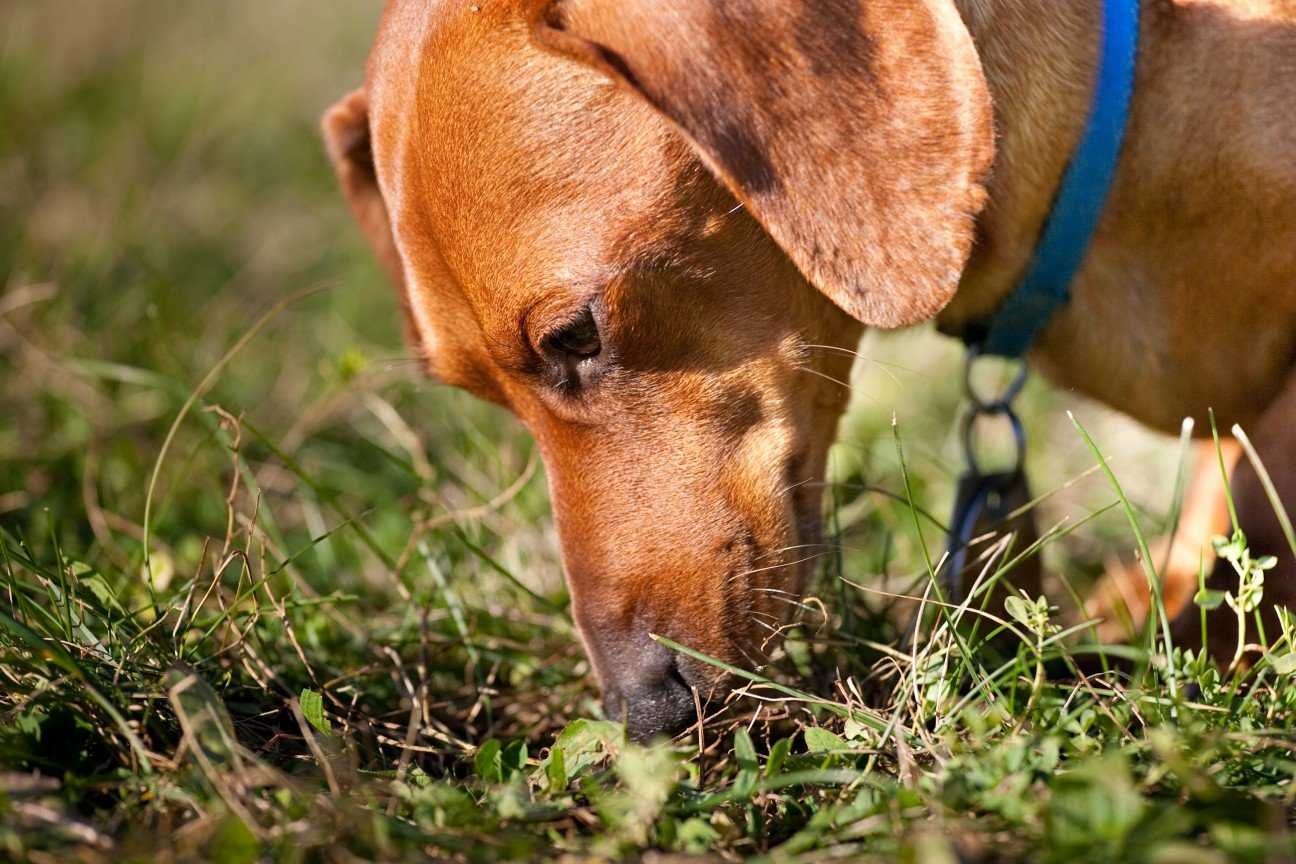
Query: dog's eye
[[577, 339]]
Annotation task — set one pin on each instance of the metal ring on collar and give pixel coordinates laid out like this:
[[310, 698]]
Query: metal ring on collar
[[1004, 399], [994, 409]]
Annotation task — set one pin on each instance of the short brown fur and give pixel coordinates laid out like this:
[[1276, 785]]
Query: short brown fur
[[734, 189]]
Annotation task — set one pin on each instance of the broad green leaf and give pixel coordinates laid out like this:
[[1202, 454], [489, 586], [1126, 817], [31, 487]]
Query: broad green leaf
[[820, 740], [1230, 548], [513, 758], [1018, 609], [854, 730], [312, 706], [1283, 664], [1094, 808], [1209, 598], [555, 768], [778, 755], [695, 836], [205, 716], [488, 763], [744, 749], [745, 783], [233, 843], [582, 744], [649, 775]]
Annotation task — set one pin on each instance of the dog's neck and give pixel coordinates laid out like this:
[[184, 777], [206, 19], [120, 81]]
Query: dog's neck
[[1039, 58]]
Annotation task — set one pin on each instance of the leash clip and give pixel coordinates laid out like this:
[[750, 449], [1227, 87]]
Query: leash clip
[[980, 407], [984, 500]]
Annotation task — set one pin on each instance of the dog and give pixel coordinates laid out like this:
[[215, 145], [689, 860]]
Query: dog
[[655, 230]]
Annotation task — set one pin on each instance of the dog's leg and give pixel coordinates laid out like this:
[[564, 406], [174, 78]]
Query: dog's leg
[[1120, 602], [1274, 437]]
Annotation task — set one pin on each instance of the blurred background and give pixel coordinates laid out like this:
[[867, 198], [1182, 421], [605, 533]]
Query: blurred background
[[162, 185]]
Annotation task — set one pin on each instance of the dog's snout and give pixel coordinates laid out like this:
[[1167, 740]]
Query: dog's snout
[[648, 691]]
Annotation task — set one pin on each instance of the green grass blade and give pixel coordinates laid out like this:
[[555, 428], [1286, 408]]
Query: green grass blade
[[1280, 511], [873, 722], [1149, 569], [56, 654], [203, 386]]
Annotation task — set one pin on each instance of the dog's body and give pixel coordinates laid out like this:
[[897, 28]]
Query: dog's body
[[666, 331], [1196, 255]]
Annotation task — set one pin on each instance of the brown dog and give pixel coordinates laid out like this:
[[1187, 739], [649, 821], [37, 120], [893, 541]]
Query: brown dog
[[654, 229]]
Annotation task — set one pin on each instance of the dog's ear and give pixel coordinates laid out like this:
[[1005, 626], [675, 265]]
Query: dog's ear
[[858, 132], [347, 140]]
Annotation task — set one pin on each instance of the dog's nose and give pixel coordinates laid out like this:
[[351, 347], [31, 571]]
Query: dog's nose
[[649, 693]]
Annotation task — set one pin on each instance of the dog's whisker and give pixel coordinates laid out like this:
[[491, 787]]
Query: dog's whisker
[[774, 591], [780, 566], [795, 547], [792, 601], [788, 490], [824, 546], [825, 376], [884, 365]]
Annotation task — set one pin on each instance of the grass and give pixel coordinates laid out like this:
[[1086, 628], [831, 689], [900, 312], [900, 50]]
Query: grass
[[264, 594]]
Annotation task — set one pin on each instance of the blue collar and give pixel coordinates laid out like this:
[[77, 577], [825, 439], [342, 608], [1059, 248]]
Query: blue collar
[[1012, 330]]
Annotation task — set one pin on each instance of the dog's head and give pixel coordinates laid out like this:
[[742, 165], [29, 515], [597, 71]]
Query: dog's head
[[653, 229]]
